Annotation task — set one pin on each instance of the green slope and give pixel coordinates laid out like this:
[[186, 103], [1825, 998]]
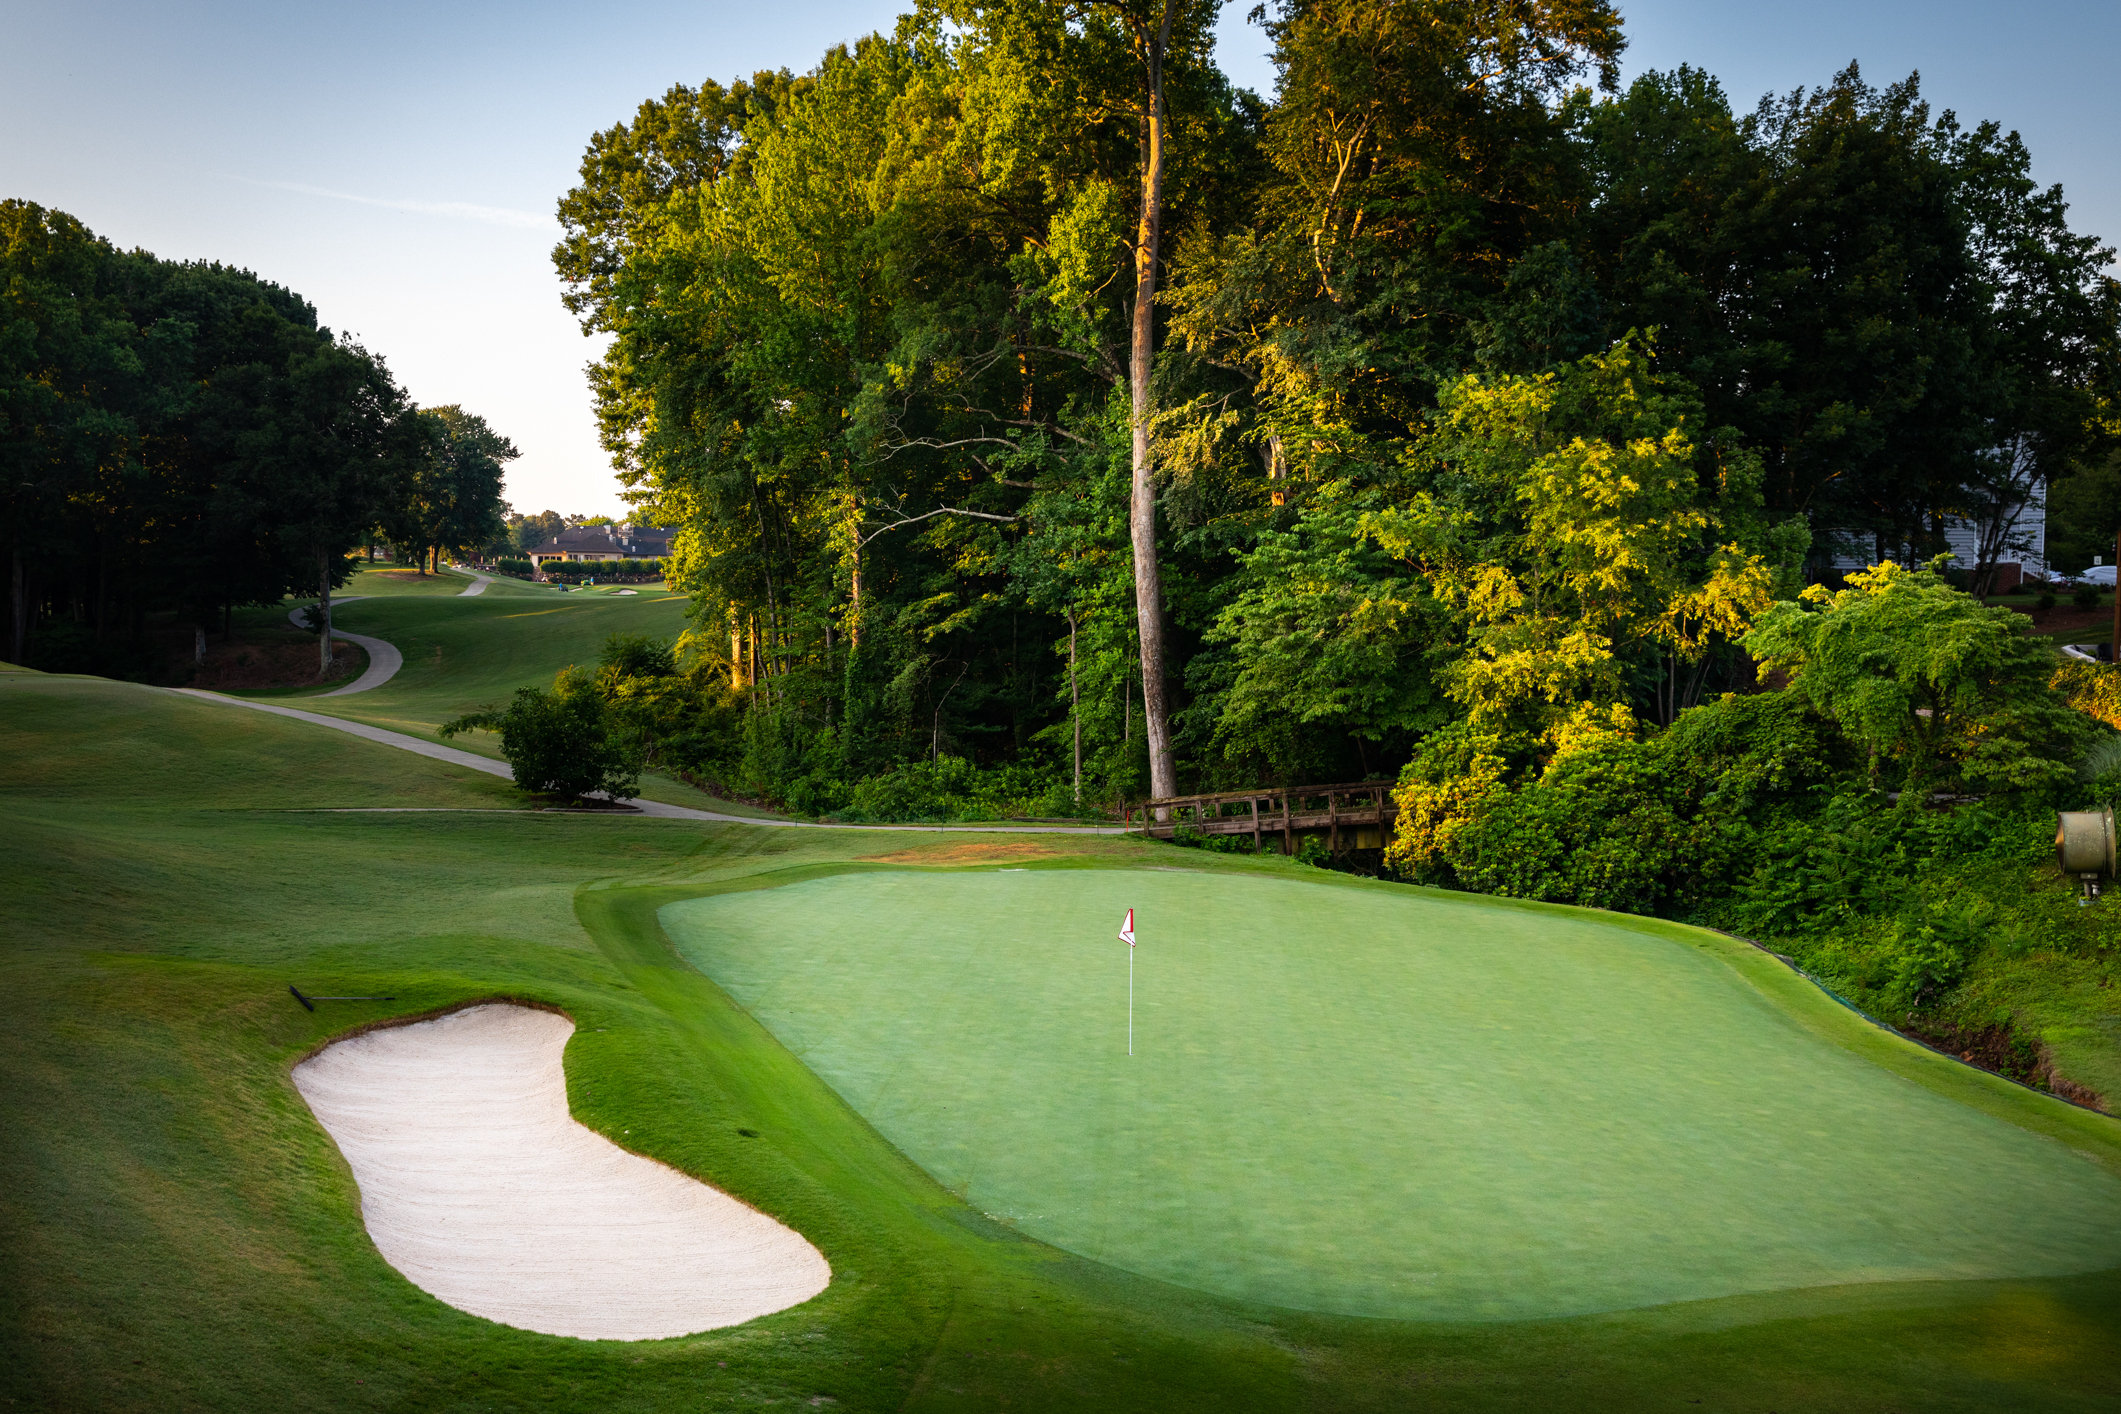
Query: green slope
[[177, 1232]]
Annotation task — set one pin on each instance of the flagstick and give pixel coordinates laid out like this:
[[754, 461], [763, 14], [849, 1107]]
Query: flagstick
[[1130, 999]]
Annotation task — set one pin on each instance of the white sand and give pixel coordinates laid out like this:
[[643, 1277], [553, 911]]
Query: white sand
[[481, 1188]]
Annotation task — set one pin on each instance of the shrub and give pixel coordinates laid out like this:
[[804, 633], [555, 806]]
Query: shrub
[[2086, 596], [2092, 688], [952, 788], [1186, 837], [1943, 693], [636, 655], [563, 742]]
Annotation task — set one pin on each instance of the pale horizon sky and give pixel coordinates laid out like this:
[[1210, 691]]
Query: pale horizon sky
[[398, 164]]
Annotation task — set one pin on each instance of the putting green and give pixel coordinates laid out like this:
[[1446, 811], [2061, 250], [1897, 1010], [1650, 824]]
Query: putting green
[[1377, 1102]]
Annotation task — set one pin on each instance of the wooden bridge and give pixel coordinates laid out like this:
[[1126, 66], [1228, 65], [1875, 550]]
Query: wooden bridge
[[1355, 816]]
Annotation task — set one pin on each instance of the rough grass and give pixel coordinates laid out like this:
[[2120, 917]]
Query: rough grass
[[177, 1232]]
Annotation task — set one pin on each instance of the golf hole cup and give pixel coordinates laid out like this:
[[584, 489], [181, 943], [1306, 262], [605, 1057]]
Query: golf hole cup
[[2084, 846]]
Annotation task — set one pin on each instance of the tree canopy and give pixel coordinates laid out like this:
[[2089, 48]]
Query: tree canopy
[[1463, 384], [182, 438]]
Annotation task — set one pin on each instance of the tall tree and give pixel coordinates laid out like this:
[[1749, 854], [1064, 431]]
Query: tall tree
[[1127, 55], [451, 500]]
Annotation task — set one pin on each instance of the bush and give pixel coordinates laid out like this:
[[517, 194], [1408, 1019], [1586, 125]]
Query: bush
[[1186, 837], [563, 743], [952, 788], [603, 569], [2086, 596], [510, 566], [2092, 688], [2046, 599]]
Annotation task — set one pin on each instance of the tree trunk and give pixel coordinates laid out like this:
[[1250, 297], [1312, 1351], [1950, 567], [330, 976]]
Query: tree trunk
[[736, 651], [1141, 503], [18, 607], [102, 609], [324, 610], [1075, 701]]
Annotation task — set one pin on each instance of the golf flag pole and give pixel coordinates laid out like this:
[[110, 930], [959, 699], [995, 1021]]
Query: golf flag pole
[[1126, 935]]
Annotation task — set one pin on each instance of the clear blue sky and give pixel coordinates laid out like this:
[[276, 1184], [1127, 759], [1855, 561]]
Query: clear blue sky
[[398, 163]]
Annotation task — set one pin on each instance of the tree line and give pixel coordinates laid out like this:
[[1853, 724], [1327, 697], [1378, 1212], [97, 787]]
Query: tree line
[[1030, 396], [181, 439]]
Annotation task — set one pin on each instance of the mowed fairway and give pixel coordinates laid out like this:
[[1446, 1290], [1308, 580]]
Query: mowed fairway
[[464, 654], [1380, 1102]]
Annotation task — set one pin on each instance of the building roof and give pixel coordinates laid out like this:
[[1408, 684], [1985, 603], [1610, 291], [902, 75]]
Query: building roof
[[643, 542], [581, 540]]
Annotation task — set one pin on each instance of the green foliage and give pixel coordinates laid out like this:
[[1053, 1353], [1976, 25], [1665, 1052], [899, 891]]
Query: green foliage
[[1886, 817], [1663, 825], [952, 788], [563, 743], [574, 571], [1477, 393], [190, 439], [453, 502], [1561, 517], [2091, 688], [2084, 515], [1943, 693], [1186, 837]]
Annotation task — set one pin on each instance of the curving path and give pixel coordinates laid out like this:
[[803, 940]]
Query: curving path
[[480, 1186], [384, 659], [478, 583], [653, 809]]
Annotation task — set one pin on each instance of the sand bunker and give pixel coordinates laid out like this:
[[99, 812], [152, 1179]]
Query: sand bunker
[[481, 1188]]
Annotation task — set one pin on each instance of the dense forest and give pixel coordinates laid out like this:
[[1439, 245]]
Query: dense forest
[[1051, 424], [180, 440], [1028, 395]]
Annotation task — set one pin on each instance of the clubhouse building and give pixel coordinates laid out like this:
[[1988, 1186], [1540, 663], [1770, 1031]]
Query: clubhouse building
[[604, 542]]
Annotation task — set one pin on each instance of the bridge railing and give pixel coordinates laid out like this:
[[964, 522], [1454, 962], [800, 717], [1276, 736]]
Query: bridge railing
[[1283, 810]]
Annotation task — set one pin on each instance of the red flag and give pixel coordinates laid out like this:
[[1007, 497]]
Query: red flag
[[1126, 929]]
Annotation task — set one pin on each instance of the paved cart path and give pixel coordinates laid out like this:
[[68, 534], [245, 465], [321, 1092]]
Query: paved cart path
[[384, 659]]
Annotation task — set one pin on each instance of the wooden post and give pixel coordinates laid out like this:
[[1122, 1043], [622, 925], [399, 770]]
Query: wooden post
[[1254, 802], [2114, 653], [1288, 831], [1333, 818]]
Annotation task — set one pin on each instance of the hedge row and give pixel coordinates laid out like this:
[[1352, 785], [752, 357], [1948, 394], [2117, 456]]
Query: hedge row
[[573, 569], [603, 569]]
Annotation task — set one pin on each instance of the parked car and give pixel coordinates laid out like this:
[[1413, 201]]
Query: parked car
[[2099, 576]]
